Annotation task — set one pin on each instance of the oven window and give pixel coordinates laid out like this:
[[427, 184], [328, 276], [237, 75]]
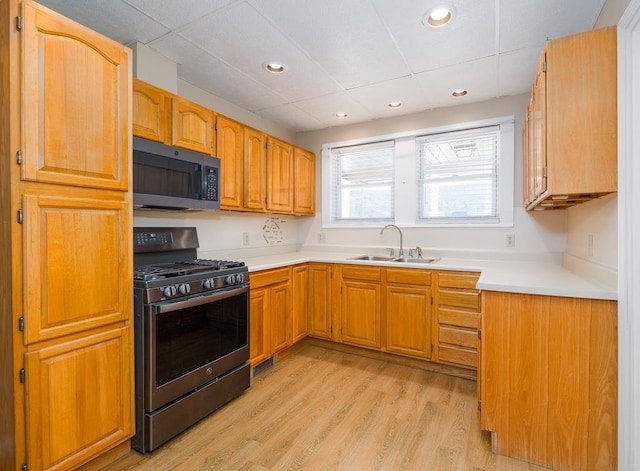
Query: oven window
[[158, 175], [192, 337]]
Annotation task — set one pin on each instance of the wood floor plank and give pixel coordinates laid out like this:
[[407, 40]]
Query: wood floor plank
[[322, 409]]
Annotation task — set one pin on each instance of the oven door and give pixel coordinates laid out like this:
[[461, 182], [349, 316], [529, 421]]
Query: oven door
[[192, 341]]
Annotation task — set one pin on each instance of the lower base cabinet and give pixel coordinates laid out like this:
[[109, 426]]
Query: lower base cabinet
[[549, 379]]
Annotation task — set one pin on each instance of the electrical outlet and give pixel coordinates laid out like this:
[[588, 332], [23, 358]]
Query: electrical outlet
[[322, 237], [511, 240], [245, 238], [590, 245]]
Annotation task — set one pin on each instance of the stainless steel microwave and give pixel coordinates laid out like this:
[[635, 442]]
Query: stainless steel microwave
[[174, 179]]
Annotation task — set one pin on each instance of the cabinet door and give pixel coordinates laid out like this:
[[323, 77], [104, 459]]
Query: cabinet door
[[77, 254], [230, 148], [258, 325], [539, 123], [255, 165], [320, 300], [280, 316], [408, 315], [75, 103], [279, 176], [361, 313], [80, 398], [193, 126], [300, 296], [304, 198], [151, 112]]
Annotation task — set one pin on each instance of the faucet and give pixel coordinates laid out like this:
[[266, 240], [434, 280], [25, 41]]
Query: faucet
[[401, 254]]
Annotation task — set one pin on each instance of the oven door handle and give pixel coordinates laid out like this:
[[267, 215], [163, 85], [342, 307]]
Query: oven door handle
[[160, 308]]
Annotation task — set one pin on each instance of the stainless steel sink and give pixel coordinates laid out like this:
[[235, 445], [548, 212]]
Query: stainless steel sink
[[373, 258], [415, 260]]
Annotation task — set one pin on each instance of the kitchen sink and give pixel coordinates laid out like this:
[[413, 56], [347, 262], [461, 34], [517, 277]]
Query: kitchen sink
[[415, 260], [373, 258]]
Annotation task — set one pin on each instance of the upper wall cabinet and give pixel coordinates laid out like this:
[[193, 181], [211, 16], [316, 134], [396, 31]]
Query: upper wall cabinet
[[151, 112], [193, 126], [279, 176], [570, 133], [304, 191], [74, 135]]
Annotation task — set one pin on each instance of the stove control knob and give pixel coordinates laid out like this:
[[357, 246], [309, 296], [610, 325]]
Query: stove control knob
[[169, 291], [229, 280], [184, 289], [208, 283], [239, 278]]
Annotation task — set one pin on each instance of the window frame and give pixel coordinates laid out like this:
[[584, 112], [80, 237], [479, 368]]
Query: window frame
[[406, 180]]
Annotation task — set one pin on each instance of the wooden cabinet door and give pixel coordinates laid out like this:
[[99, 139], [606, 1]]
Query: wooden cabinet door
[[230, 150], [75, 103], [408, 318], [319, 317], [151, 112], [193, 126], [304, 197], [279, 176], [539, 123], [361, 313], [80, 398], [280, 316], [255, 165], [78, 265], [259, 325], [300, 302]]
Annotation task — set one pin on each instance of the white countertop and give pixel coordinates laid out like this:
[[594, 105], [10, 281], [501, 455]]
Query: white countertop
[[528, 277]]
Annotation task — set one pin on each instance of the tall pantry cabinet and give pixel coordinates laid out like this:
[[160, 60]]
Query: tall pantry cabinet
[[66, 364]]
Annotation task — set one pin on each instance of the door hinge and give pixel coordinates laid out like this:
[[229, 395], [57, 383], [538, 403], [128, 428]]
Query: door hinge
[[21, 324], [331, 330], [19, 157], [215, 126], [25, 467], [544, 66], [544, 172], [479, 405], [19, 216], [479, 335], [19, 23], [22, 375], [432, 349], [431, 299]]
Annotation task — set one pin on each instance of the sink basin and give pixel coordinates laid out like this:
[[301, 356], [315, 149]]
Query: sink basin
[[415, 260], [377, 258]]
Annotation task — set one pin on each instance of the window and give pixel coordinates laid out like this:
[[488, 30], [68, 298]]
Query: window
[[362, 187], [454, 175], [458, 176]]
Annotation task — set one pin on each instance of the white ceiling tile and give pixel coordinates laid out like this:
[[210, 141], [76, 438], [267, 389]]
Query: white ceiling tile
[[325, 107], [113, 18], [291, 117], [375, 97], [173, 13], [347, 38]]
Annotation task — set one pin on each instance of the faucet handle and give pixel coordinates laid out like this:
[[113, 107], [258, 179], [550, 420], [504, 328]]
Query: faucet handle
[[419, 251], [410, 253], [391, 252]]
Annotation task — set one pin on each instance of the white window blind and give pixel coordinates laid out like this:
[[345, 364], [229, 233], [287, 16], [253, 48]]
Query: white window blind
[[458, 176], [362, 186]]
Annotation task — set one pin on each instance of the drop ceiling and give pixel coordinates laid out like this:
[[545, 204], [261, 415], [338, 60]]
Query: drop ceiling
[[351, 56]]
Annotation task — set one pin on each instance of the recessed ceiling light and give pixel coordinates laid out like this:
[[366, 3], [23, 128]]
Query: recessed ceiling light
[[439, 16], [459, 93], [394, 104], [274, 67], [341, 115]]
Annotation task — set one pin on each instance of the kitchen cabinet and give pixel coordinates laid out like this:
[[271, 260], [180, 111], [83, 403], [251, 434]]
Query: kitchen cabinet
[[549, 379], [279, 176], [255, 168], [67, 293], [361, 305], [458, 314], [300, 303], [270, 314], [230, 151], [320, 300], [407, 306], [151, 112], [572, 129], [304, 197], [193, 126]]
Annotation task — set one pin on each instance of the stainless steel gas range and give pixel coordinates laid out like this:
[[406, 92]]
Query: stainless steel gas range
[[191, 333]]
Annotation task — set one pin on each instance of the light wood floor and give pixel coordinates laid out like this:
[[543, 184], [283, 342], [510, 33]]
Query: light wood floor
[[320, 409]]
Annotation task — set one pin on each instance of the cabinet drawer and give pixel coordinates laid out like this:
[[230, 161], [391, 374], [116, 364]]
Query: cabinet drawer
[[458, 318], [458, 280], [414, 277], [459, 356], [361, 273], [463, 338], [268, 277], [459, 298]]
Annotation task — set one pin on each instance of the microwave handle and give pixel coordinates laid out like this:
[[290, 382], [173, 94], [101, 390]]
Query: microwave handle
[[170, 306]]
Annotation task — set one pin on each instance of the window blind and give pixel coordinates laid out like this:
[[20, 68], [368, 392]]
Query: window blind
[[458, 176]]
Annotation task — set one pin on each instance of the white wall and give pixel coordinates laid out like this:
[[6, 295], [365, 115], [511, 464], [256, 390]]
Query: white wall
[[539, 232]]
